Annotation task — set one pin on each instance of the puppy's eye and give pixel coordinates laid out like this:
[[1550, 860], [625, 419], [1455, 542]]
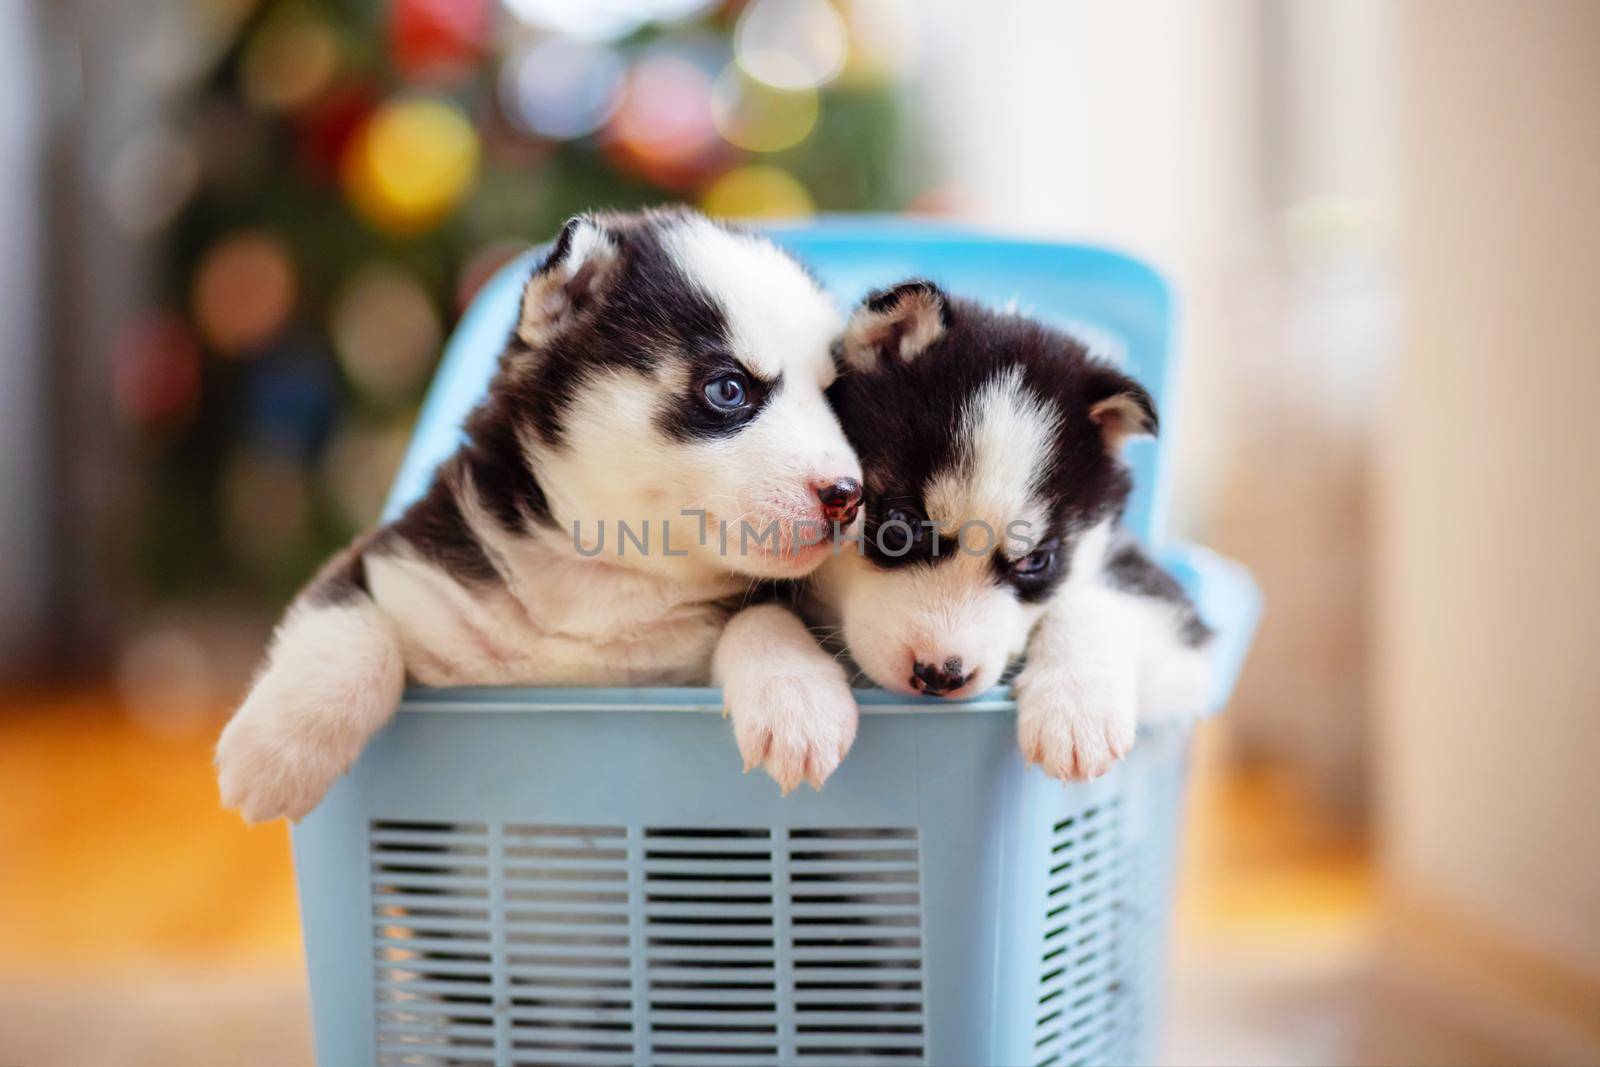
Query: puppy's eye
[[727, 392], [897, 531], [1035, 563]]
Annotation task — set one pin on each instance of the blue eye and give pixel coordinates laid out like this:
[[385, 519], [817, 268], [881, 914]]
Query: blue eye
[[727, 392], [1034, 563]]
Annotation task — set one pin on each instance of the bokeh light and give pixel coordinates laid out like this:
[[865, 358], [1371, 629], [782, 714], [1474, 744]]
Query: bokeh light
[[330, 126], [663, 127], [602, 19], [437, 40], [244, 290], [288, 62], [386, 332], [561, 87], [410, 165], [166, 682], [791, 44], [756, 117], [757, 191], [155, 368], [289, 399], [360, 464]]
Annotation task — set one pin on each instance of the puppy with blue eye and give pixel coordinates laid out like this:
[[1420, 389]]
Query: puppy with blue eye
[[665, 372], [990, 446]]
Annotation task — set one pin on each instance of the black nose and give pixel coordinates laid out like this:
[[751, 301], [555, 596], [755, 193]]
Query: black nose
[[937, 681], [840, 499]]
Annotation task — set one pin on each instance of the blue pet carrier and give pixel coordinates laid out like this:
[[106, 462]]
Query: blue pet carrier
[[584, 877]]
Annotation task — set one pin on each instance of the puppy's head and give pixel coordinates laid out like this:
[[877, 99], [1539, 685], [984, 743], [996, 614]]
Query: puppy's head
[[671, 371], [990, 445]]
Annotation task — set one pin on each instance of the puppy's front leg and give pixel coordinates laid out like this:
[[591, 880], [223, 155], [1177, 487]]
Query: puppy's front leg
[[333, 677], [792, 710], [1076, 710]]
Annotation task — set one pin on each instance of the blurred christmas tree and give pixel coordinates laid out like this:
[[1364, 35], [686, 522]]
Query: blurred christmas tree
[[350, 171]]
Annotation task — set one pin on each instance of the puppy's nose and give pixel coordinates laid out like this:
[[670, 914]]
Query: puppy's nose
[[841, 499], [938, 680]]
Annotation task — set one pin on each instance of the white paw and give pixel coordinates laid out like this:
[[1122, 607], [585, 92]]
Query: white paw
[[293, 737], [333, 678], [266, 771], [1074, 727], [795, 726]]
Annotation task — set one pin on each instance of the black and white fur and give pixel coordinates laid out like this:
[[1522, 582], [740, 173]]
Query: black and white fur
[[601, 410], [961, 415]]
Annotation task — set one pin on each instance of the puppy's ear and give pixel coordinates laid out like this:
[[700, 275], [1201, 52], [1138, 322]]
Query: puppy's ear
[[1120, 407], [570, 279], [895, 325]]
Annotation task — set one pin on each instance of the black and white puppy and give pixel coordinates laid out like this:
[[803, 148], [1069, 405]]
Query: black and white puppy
[[994, 485], [665, 372]]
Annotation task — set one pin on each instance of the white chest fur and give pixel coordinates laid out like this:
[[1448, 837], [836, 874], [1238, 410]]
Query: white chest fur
[[556, 619]]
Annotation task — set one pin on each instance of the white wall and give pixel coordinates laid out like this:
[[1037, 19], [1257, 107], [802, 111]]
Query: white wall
[[1490, 529]]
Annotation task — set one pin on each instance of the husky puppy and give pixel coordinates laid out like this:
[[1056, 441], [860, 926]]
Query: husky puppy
[[990, 445], [666, 373]]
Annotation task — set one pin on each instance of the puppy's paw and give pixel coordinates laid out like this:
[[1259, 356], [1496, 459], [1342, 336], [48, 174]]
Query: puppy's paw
[[795, 726], [333, 678], [266, 769], [1074, 727], [291, 740]]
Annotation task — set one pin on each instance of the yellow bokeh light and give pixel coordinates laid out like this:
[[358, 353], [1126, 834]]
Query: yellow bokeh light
[[411, 164], [757, 191], [759, 118]]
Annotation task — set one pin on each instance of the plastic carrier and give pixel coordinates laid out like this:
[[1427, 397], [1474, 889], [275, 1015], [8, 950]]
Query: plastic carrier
[[585, 877]]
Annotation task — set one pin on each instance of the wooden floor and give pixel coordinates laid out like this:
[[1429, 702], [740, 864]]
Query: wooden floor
[[128, 896], [114, 851]]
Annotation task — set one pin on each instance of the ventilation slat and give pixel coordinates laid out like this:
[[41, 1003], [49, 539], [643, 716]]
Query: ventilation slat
[[399, 1031], [400, 991], [389, 882], [699, 1057], [431, 1055], [841, 956], [614, 1037], [865, 1038], [863, 1057], [728, 912], [1078, 988], [557, 935], [859, 1021], [568, 920], [820, 1000], [670, 1039], [852, 868], [474, 900], [447, 858], [429, 925], [400, 970], [829, 912], [448, 945], [872, 929]]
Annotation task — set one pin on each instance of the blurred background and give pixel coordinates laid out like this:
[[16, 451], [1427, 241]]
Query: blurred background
[[239, 230]]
